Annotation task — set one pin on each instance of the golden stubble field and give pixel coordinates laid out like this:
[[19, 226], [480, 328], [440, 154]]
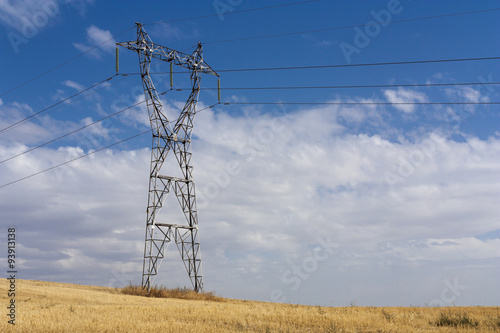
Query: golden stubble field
[[59, 307]]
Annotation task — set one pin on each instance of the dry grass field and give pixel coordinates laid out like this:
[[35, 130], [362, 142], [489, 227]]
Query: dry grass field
[[58, 307]]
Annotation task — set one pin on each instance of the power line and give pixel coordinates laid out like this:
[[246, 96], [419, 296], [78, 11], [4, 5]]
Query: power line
[[349, 27], [231, 13], [90, 153], [361, 103], [351, 86], [257, 103], [281, 68], [252, 88], [64, 63], [90, 93], [127, 30], [72, 132], [339, 65], [72, 160], [78, 129], [60, 102], [238, 39], [359, 65]]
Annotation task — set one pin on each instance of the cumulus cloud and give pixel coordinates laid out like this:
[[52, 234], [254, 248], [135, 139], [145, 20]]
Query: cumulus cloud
[[95, 131], [98, 41], [402, 95], [271, 188], [73, 85], [27, 17], [449, 249], [169, 31], [16, 14], [13, 113], [467, 95], [317, 42]]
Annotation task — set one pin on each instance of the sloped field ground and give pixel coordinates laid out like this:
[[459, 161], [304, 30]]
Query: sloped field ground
[[59, 307]]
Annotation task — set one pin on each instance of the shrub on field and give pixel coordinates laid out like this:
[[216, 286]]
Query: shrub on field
[[164, 292], [456, 320]]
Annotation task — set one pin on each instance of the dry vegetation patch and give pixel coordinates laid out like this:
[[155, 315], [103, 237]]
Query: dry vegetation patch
[[164, 292]]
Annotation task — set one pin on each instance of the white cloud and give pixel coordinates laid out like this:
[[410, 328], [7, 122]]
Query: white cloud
[[94, 132], [19, 14], [97, 36], [466, 95], [74, 85], [301, 178], [10, 115], [167, 31], [471, 95], [316, 41], [137, 115], [438, 76], [28, 17], [447, 249], [79, 5], [402, 95], [98, 41]]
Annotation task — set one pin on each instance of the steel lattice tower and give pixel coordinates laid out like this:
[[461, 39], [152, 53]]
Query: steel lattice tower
[[165, 139]]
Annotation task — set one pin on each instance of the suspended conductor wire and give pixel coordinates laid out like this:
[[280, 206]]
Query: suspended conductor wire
[[230, 40], [133, 27], [256, 103], [351, 86], [91, 153], [360, 65], [74, 159], [72, 132], [349, 27], [78, 129], [361, 103], [253, 103], [53, 105], [265, 88], [231, 13], [64, 63], [391, 63]]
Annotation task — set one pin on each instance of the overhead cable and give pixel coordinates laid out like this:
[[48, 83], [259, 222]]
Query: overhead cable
[[88, 154], [349, 27]]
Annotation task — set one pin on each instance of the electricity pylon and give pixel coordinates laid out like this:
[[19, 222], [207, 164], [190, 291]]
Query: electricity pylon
[[166, 138]]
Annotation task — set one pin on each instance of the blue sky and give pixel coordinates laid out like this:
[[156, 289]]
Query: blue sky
[[330, 204]]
